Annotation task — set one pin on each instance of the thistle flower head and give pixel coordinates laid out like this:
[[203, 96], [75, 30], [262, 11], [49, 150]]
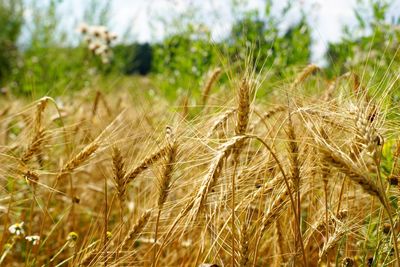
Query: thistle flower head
[[110, 37], [102, 49], [83, 28], [98, 39], [93, 46], [96, 31]]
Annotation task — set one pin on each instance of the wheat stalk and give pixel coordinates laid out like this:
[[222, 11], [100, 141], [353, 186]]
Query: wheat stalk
[[242, 121]]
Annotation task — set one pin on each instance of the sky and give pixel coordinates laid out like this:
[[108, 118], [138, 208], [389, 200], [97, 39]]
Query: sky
[[141, 18]]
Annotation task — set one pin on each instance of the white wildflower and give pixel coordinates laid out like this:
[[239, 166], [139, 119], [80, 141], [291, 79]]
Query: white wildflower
[[33, 238], [17, 229]]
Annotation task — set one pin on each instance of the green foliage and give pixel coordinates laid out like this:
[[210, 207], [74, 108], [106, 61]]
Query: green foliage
[[370, 49], [294, 47], [273, 48], [191, 53], [98, 12], [251, 32], [49, 63], [370, 45], [186, 53], [181, 60], [52, 72], [11, 22], [133, 58]]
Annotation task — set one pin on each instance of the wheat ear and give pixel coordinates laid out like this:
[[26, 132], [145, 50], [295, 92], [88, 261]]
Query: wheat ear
[[244, 244], [136, 229], [35, 146], [81, 157], [359, 175], [332, 241], [243, 113], [145, 163], [38, 132], [213, 173], [119, 173], [242, 121], [221, 120], [211, 80], [307, 71], [165, 181]]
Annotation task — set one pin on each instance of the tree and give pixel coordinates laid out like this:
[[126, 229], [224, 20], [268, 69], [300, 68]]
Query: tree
[[11, 23]]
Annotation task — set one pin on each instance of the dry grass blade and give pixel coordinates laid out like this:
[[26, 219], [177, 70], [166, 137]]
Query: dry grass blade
[[266, 115]]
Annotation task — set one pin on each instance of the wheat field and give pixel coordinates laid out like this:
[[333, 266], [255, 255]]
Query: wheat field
[[296, 179]]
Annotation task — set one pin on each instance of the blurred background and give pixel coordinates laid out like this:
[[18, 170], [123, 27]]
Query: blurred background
[[55, 46]]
